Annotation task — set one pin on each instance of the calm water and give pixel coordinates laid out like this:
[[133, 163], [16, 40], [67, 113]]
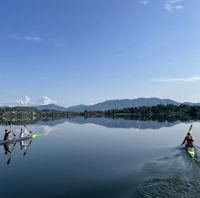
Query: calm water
[[100, 157]]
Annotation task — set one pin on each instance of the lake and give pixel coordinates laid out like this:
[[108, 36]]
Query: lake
[[100, 158]]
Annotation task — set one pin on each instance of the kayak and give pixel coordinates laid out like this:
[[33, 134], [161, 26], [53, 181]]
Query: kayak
[[190, 151], [19, 139]]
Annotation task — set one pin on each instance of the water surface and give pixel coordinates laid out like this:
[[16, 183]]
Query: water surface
[[101, 157]]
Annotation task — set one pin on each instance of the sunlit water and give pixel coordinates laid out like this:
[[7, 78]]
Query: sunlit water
[[101, 157]]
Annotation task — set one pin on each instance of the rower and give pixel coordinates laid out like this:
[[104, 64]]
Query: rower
[[189, 140], [8, 134], [24, 133]]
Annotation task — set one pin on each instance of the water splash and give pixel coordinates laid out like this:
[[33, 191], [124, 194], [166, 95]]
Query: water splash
[[176, 175]]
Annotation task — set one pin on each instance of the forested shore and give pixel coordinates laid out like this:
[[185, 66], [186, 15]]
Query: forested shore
[[30, 114], [159, 113]]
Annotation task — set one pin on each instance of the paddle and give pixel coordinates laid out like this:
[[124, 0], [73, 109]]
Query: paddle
[[27, 147], [8, 161], [185, 139], [10, 154], [27, 129], [34, 135], [9, 123], [190, 128]]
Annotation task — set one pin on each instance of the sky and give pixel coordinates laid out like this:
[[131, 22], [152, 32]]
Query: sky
[[71, 52]]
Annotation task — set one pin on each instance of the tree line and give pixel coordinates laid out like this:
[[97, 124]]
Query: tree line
[[159, 112], [30, 114]]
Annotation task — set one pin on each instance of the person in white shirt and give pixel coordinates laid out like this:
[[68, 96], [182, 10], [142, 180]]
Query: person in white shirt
[[25, 143], [24, 133]]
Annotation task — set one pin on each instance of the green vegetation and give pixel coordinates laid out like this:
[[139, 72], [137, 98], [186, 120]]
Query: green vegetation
[[159, 113], [20, 115]]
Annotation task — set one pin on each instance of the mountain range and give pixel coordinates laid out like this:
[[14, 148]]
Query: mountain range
[[116, 104], [51, 107]]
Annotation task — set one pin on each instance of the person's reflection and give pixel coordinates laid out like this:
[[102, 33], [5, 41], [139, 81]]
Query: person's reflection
[[25, 145], [9, 148]]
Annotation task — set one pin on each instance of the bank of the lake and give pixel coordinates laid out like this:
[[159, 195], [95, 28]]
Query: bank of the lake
[[157, 113]]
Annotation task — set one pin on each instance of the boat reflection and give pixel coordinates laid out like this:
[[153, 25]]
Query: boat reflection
[[25, 145], [124, 123], [10, 147]]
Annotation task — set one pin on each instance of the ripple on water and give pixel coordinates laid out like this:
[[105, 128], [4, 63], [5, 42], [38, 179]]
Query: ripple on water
[[168, 187], [175, 176]]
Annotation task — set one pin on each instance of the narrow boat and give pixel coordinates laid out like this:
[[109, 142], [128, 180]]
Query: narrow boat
[[190, 151], [19, 139]]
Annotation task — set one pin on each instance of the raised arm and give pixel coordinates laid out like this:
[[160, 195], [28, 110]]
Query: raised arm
[[184, 141]]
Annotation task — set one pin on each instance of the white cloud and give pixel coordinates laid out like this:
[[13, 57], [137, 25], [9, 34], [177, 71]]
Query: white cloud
[[174, 1], [46, 100], [170, 8], [171, 5], [32, 38], [144, 2], [188, 79], [26, 101], [25, 38], [178, 7]]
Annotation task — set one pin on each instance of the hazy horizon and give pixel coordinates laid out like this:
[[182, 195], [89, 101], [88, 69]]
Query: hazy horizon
[[15, 104]]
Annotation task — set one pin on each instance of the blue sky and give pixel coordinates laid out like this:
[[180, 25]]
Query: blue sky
[[83, 52]]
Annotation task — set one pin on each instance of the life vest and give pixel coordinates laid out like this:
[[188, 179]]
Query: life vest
[[190, 140], [8, 135]]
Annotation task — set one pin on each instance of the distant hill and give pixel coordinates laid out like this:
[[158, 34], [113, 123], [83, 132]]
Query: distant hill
[[51, 107], [116, 104], [78, 108], [124, 103]]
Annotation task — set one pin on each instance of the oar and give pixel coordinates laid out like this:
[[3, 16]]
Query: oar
[[27, 129], [34, 135], [10, 152], [27, 147], [9, 122], [8, 161], [188, 131], [190, 128]]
